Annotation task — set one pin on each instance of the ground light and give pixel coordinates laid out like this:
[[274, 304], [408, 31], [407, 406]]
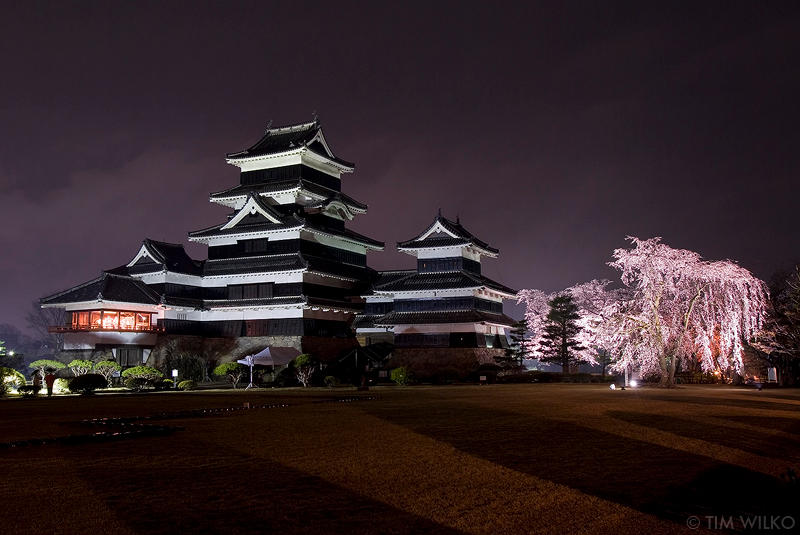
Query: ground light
[[634, 383]]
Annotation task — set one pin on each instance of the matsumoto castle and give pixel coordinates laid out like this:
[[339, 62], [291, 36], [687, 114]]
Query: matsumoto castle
[[284, 270]]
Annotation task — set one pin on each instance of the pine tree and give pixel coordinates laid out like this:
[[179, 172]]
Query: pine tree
[[516, 351], [559, 343]]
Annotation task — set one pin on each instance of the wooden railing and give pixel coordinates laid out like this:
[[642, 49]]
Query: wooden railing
[[71, 329]]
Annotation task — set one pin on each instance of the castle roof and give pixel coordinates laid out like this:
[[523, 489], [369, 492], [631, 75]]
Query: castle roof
[[443, 316], [107, 287], [451, 280], [445, 233], [278, 186], [173, 256], [291, 137]]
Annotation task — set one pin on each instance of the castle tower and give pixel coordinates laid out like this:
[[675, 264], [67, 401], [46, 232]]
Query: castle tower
[[445, 306], [282, 269]]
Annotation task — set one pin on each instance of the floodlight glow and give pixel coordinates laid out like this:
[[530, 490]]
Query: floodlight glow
[[634, 383], [613, 386]]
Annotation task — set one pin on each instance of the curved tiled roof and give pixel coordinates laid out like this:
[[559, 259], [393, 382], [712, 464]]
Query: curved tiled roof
[[343, 233], [462, 237], [443, 316], [439, 281], [288, 223], [329, 194], [260, 264], [265, 301], [173, 256], [286, 138], [107, 287]]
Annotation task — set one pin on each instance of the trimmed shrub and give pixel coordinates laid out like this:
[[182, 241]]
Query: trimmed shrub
[[143, 372], [87, 383], [304, 367], [232, 370], [61, 386], [399, 375], [188, 366], [28, 391], [10, 379], [46, 365], [187, 385], [516, 378], [80, 367], [286, 377], [138, 384], [107, 368], [330, 381], [165, 384]]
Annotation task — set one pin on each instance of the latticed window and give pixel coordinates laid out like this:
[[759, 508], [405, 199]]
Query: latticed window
[[129, 356]]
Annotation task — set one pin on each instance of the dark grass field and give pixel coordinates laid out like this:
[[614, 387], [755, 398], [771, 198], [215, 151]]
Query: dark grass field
[[459, 459]]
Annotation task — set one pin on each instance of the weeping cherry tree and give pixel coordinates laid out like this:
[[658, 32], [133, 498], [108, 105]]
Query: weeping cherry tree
[[673, 306]]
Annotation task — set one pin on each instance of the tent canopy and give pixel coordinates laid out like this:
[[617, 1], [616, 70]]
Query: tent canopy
[[271, 356]]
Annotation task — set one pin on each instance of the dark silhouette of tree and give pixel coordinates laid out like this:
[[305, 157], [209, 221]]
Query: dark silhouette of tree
[[41, 319], [559, 343], [778, 344], [517, 351]]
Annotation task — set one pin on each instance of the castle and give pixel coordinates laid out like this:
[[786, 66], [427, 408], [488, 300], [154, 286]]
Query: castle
[[283, 270]]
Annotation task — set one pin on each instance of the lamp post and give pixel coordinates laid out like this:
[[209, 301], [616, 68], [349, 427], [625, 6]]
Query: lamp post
[[251, 362], [175, 378]]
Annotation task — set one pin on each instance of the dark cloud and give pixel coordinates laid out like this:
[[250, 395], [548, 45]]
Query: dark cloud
[[552, 130]]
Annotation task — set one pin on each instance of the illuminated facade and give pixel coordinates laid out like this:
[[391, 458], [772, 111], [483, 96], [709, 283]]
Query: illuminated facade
[[282, 269], [444, 307]]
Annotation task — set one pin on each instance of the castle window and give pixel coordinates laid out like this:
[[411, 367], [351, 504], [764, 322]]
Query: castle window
[[142, 321], [127, 320], [110, 319]]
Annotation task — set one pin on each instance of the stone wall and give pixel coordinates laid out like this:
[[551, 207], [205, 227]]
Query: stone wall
[[443, 363], [327, 349], [217, 350]]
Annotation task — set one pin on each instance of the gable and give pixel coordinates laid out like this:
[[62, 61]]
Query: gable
[[253, 207], [143, 257], [437, 228]]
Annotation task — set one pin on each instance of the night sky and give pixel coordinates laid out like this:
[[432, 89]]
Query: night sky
[[552, 130]]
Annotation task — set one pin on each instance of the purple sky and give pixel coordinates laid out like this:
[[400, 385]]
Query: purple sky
[[552, 130]]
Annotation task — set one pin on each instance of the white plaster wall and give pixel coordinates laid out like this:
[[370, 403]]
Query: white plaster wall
[[88, 339]]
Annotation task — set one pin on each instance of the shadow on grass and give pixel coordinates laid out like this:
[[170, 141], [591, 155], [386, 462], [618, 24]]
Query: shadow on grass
[[764, 403], [651, 478], [753, 442], [787, 425], [204, 488]]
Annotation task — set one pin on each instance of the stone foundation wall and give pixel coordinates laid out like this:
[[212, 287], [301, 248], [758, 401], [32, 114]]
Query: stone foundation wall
[[327, 349], [220, 350], [217, 350], [443, 363]]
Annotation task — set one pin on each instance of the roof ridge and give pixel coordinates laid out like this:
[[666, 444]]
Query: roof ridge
[[293, 127], [261, 203], [163, 242], [82, 285]]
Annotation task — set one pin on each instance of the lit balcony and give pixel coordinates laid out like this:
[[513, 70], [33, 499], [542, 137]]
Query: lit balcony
[[109, 321]]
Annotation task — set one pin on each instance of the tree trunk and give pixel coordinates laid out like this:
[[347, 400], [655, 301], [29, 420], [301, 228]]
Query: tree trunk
[[668, 366], [665, 379], [673, 365]]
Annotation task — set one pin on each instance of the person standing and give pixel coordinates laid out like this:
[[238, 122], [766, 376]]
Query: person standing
[[49, 380]]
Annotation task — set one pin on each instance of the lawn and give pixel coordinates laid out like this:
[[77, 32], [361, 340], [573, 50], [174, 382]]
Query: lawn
[[456, 459]]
